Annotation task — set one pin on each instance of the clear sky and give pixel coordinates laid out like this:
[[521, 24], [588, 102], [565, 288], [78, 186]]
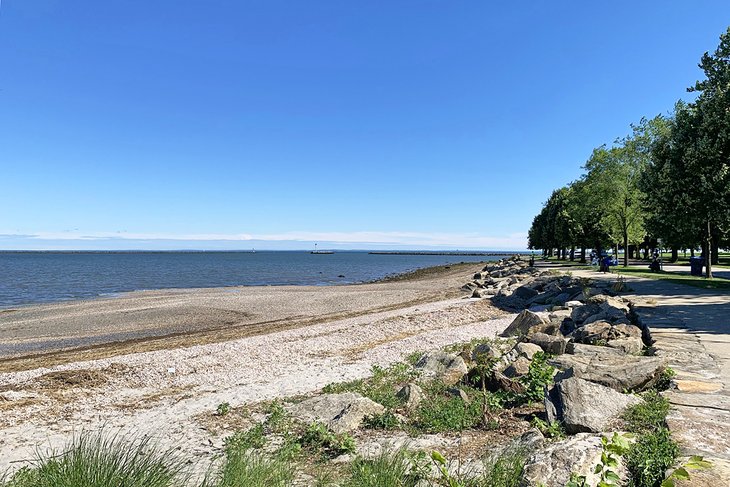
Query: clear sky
[[356, 124]]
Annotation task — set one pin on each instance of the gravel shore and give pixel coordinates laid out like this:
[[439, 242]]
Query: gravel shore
[[169, 389]]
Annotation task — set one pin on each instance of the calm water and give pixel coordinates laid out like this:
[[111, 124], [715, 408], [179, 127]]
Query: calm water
[[40, 277]]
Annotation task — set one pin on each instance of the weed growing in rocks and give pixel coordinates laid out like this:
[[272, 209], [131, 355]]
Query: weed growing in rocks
[[389, 469], [381, 387], [554, 429], [252, 468], [446, 411], [321, 440], [223, 409], [539, 375], [649, 415], [386, 421]]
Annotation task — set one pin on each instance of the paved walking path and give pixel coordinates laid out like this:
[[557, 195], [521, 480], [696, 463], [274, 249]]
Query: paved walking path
[[691, 327]]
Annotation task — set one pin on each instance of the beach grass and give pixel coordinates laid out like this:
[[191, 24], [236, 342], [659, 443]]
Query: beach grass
[[101, 460]]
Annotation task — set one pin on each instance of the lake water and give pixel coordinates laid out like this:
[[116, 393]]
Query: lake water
[[40, 277]]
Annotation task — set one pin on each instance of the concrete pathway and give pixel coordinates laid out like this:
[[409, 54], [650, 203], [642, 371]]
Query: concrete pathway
[[691, 327]]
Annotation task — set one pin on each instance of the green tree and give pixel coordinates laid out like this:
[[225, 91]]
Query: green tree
[[709, 151]]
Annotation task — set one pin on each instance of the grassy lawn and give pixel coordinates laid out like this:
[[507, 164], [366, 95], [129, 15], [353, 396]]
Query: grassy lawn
[[700, 282]]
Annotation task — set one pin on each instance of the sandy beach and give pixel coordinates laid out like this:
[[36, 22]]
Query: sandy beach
[[163, 360]]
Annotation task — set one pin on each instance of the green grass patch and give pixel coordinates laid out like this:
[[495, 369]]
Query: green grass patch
[[717, 283], [381, 387], [100, 460], [445, 411], [389, 469], [252, 469]]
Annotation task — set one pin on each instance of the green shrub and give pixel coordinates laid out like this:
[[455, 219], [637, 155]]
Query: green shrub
[[321, 440], [99, 460], [650, 457], [539, 375], [649, 415]]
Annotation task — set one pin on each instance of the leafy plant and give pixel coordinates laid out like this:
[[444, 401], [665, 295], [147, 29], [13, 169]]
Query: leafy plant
[[613, 450], [650, 457], [223, 409], [648, 415], [320, 439], [695, 462], [553, 429], [539, 375], [253, 437]]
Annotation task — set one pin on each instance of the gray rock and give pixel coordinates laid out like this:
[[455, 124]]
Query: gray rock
[[412, 395], [592, 333], [449, 368], [560, 298], [580, 313], [631, 346], [619, 372], [525, 292], [527, 350], [553, 345], [484, 352], [591, 350], [523, 324], [584, 406], [552, 465], [339, 412], [518, 368]]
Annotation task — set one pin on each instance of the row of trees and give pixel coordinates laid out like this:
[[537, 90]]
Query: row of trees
[[668, 181]]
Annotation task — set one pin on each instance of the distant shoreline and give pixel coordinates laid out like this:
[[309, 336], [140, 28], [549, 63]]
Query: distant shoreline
[[471, 254]]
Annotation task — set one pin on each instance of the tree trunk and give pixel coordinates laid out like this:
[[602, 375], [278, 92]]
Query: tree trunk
[[626, 250], [708, 254], [692, 252], [572, 253], [583, 254], [675, 254]]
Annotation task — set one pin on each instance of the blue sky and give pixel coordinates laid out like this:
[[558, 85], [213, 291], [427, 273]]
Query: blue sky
[[356, 124]]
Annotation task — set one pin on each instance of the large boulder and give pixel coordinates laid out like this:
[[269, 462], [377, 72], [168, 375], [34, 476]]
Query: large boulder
[[525, 323], [525, 292], [603, 331], [619, 372], [630, 346], [592, 350], [553, 345], [339, 412], [527, 350], [584, 406], [448, 368], [552, 465]]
